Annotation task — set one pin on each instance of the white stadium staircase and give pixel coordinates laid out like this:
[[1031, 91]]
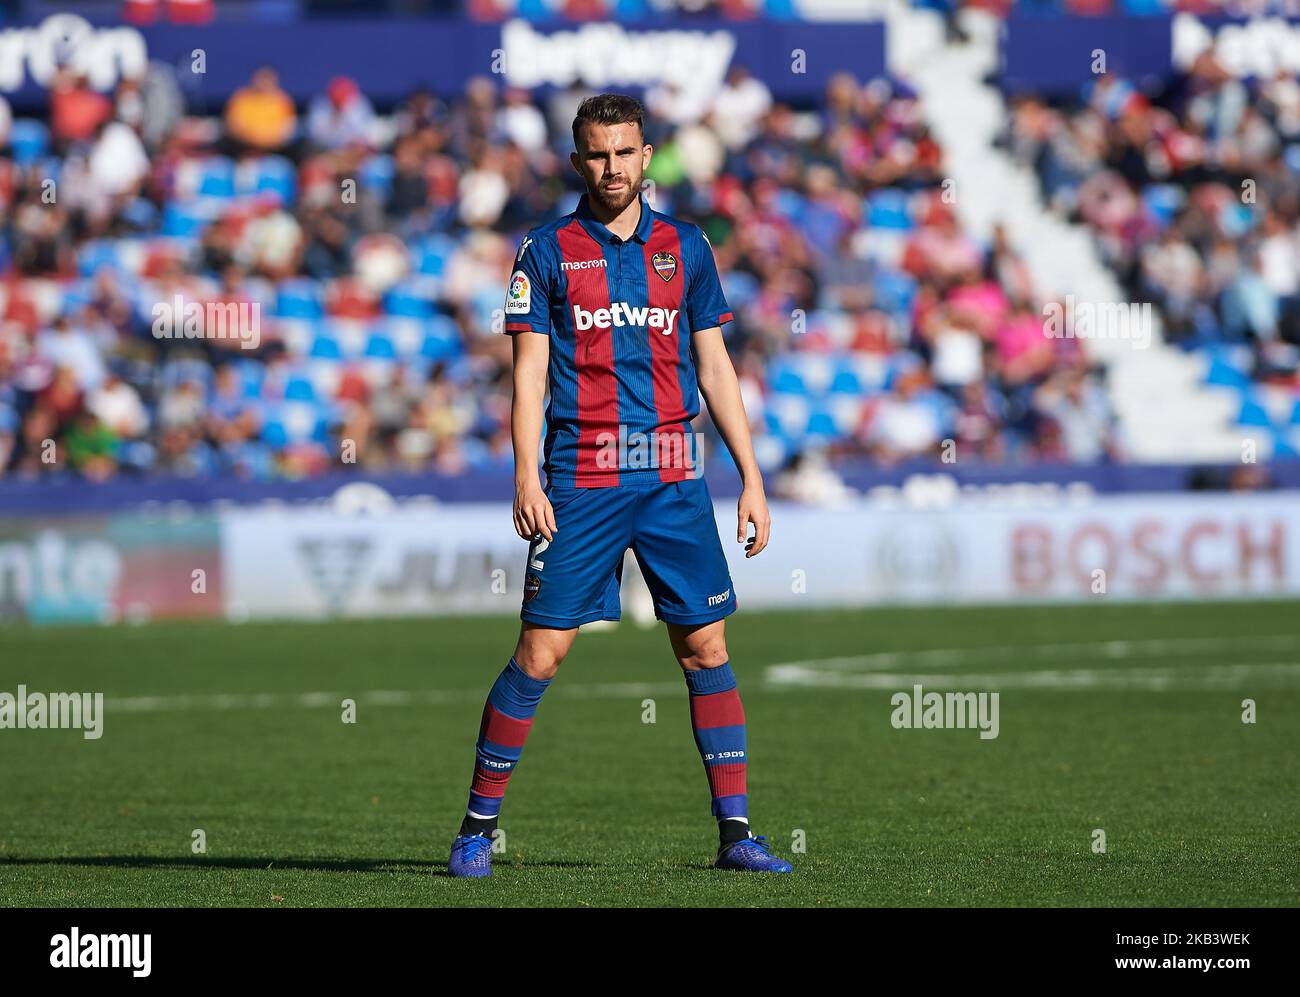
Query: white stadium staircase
[[1166, 412]]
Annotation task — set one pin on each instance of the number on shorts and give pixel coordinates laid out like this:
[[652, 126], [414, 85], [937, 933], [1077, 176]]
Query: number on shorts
[[539, 545]]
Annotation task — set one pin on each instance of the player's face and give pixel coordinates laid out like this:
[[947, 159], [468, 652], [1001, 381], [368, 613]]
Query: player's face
[[612, 160]]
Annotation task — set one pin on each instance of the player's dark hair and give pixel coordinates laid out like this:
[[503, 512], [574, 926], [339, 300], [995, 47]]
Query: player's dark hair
[[609, 109]]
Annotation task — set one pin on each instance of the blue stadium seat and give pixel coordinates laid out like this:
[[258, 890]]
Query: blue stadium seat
[[376, 174], [94, 256], [325, 347], [380, 345], [821, 424], [846, 380], [406, 299], [441, 339], [434, 255], [792, 413], [216, 178], [1253, 413], [29, 140], [895, 291], [1283, 447], [299, 389], [184, 220], [298, 299], [1222, 373], [782, 377], [889, 208], [1162, 201], [270, 174]]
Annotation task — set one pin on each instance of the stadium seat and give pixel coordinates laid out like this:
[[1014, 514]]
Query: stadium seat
[[326, 347], [216, 178], [821, 424], [434, 254], [376, 174], [1253, 413], [406, 334], [268, 175], [407, 299], [94, 256], [792, 413], [1222, 373], [441, 339], [782, 377], [380, 346], [889, 209], [816, 370], [29, 140], [299, 389], [895, 291], [846, 380], [184, 219], [298, 299]]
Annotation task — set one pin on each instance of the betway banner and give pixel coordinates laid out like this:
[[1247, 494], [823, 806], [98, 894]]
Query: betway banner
[[466, 558], [1058, 54], [390, 57]]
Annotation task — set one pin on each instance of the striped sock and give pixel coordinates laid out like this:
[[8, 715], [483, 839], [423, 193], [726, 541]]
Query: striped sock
[[718, 720], [507, 718]]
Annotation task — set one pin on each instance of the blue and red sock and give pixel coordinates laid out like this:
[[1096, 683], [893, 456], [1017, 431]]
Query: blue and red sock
[[507, 719], [718, 719]]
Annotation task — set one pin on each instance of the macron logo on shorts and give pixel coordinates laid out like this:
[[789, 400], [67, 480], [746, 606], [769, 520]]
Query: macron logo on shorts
[[620, 314]]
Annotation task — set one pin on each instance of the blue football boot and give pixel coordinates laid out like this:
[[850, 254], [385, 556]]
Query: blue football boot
[[750, 855], [471, 855]]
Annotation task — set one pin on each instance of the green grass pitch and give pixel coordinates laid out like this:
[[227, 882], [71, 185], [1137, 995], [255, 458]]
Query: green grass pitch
[[1126, 719]]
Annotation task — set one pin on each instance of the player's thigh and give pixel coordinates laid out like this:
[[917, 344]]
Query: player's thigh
[[567, 579], [680, 554]]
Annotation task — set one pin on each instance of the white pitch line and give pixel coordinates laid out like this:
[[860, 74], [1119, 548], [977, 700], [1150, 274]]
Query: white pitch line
[[805, 674], [369, 697], [1109, 650]]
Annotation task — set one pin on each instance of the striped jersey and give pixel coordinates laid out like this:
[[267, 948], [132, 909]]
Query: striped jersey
[[620, 315]]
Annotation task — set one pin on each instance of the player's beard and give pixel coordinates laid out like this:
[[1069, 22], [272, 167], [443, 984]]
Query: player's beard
[[615, 201]]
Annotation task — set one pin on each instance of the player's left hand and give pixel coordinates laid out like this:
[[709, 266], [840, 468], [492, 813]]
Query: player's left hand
[[752, 508]]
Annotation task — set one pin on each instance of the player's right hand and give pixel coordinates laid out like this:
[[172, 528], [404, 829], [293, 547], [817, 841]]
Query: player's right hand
[[533, 513]]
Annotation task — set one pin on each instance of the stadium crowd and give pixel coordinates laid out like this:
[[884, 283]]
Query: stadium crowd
[[1194, 199], [377, 246]]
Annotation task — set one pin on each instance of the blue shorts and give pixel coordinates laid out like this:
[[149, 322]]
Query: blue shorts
[[575, 577]]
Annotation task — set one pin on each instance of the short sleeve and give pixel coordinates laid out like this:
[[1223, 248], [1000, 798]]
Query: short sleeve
[[706, 306], [528, 295]]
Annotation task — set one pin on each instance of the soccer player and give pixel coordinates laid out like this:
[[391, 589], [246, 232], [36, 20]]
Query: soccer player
[[617, 309]]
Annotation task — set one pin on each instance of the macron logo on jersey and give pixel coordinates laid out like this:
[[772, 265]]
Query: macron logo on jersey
[[620, 314], [585, 264]]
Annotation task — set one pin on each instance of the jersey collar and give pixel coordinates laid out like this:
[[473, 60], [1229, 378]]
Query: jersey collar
[[601, 233]]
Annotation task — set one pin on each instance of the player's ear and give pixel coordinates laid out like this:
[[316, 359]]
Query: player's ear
[[647, 152], [574, 162]]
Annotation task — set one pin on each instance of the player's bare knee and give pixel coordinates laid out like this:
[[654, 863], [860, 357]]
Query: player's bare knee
[[708, 653], [540, 651], [540, 666]]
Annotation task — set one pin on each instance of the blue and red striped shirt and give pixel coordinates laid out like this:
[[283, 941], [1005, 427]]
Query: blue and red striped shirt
[[620, 315]]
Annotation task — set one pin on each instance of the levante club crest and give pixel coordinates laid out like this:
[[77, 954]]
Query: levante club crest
[[665, 265]]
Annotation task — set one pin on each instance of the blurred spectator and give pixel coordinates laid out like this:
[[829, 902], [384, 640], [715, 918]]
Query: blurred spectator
[[261, 117], [341, 117], [868, 320], [76, 111]]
